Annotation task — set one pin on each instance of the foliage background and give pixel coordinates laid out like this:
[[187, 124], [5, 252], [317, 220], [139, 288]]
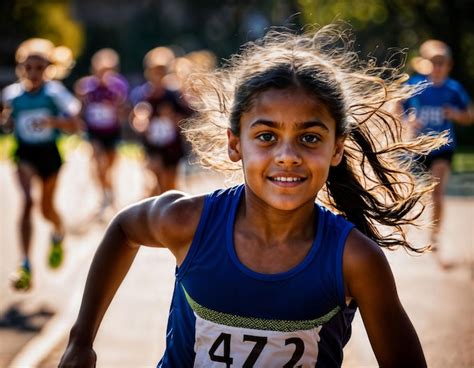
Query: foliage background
[[133, 27]]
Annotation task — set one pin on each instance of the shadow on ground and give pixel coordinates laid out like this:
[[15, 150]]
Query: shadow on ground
[[18, 327], [16, 319]]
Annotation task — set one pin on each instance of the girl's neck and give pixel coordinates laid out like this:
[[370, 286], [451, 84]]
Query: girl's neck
[[272, 241], [276, 226], [438, 81], [34, 90]]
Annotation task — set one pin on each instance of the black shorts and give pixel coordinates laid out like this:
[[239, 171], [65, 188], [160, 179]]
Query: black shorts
[[426, 162], [107, 141], [44, 158]]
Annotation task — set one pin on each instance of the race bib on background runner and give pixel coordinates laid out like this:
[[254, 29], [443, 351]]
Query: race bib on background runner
[[101, 115], [161, 132], [30, 128]]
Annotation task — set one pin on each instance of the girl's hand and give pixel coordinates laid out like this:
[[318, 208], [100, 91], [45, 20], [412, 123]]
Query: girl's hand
[[70, 124], [140, 116], [78, 356], [6, 125], [414, 124], [44, 123], [417, 126]]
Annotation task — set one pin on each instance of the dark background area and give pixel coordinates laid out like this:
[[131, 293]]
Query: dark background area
[[382, 27]]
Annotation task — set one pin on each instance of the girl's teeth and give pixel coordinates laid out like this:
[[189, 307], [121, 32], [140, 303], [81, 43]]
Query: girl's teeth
[[286, 179]]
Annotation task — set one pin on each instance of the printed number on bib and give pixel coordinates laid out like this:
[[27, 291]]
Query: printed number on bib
[[162, 131], [259, 344], [101, 115], [226, 346], [29, 126]]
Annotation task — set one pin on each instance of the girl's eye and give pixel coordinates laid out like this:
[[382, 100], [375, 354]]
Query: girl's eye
[[266, 137], [310, 138]]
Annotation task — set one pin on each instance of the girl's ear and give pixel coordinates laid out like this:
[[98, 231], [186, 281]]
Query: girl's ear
[[233, 146], [338, 151]]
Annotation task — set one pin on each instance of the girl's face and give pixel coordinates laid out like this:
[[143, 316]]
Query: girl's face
[[287, 144], [34, 68]]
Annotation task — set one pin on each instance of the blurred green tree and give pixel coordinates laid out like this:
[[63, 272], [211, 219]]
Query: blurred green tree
[[51, 19], [384, 25]]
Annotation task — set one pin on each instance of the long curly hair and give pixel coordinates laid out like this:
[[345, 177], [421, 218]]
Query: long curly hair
[[375, 184]]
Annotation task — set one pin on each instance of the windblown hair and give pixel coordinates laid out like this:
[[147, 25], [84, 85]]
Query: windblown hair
[[375, 184]]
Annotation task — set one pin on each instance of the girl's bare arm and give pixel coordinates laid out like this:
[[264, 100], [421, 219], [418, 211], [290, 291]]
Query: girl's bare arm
[[68, 124], [166, 221], [462, 117], [369, 280]]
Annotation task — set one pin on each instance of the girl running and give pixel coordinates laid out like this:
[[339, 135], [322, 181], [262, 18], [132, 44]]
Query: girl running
[[38, 109], [267, 275]]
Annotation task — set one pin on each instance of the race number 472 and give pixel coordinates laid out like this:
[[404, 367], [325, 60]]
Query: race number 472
[[220, 350]]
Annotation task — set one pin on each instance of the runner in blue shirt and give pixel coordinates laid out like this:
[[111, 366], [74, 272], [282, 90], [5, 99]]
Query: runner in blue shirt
[[38, 109], [439, 106], [267, 275]]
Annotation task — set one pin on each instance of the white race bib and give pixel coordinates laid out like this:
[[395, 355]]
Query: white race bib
[[29, 126], [224, 346], [101, 115], [161, 131]]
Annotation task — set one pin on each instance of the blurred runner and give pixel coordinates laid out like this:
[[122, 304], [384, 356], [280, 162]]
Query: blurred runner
[[156, 115], [104, 107], [38, 108], [436, 109]]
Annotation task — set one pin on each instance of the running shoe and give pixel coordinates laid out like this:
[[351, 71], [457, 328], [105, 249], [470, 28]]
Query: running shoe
[[56, 252], [21, 279]]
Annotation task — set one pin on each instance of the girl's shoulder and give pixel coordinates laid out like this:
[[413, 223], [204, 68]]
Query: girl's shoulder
[[166, 221], [178, 215], [172, 219], [363, 259], [360, 248], [11, 92], [62, 97]]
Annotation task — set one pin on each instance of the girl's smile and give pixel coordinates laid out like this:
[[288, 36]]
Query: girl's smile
[[287, 144]]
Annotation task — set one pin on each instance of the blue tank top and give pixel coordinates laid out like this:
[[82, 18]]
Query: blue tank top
[[429, 107], [223, 314]]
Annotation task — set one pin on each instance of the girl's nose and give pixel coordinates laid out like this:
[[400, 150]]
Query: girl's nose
[[287, 155]]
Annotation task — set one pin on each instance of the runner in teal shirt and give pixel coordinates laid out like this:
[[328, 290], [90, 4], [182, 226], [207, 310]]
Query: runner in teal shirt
[[38, 109]]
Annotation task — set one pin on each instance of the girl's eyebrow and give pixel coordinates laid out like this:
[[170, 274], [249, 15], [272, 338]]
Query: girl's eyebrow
[[297, 126]]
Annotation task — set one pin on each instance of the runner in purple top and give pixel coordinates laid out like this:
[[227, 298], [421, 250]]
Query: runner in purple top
[[104, 96]]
